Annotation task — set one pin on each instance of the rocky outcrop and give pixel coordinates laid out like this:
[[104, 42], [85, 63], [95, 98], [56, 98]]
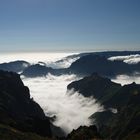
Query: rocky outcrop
[[121, 119], [18, 110], [99, 87]]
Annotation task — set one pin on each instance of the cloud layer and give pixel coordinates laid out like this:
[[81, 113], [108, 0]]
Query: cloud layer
[[130, 59], [126, 79], [63, 63], [72, 109], [54, 60], [32, 57]]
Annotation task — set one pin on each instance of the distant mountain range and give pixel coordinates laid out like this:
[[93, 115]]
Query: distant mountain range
[[15, 66], [87, 64]]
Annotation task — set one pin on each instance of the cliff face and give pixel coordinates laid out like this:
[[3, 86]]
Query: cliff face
[[124, 123], [17, 109]]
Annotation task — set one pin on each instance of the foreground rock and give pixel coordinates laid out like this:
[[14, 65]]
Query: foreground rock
[[18, 112]]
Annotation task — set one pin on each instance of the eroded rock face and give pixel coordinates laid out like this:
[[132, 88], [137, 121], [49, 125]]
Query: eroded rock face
[[17, 109]]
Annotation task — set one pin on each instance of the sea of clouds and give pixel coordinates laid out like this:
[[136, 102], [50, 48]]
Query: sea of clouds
[[127, 79], [70, 108], [49, 59]]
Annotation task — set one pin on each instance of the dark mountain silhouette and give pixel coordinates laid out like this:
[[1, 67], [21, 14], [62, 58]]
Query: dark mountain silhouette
[[42, 70], [108, 54], [88, 64], [15, 66], [124, 122], [37, 70]]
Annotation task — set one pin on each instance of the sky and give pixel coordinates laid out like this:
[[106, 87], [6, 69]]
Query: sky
[[69, 25]]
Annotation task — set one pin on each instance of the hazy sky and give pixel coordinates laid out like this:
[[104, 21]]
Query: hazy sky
[[69, 25]]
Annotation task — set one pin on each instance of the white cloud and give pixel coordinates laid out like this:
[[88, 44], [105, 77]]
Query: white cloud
[[72, 109], [64, 63], [126, 79], [48, 59], [130, 59], [32, 57]]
